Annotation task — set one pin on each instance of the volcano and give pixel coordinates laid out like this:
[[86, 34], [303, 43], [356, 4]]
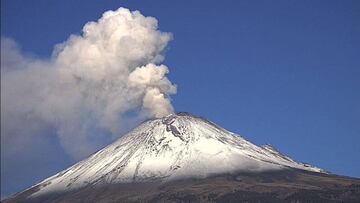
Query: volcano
[[184, 158]]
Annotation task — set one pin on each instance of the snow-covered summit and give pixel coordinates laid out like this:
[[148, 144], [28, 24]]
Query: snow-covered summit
[[177, 146]]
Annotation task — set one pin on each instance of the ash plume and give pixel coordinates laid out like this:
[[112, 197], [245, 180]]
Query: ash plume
[[91, 84]]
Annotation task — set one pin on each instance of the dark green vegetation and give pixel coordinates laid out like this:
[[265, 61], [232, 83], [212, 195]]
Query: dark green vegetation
[[277, 186]]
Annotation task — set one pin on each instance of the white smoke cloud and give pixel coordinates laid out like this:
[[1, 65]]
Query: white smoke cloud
[[90, 84]]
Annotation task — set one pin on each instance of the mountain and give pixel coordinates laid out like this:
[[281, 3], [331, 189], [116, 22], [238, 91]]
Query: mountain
[[184, 158]]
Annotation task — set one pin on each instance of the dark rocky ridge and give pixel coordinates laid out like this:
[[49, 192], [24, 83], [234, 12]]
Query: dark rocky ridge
[[273, 186]]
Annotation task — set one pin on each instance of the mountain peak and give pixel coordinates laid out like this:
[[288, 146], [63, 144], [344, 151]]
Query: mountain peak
[[184, 156], [174, 147], [185, 114]]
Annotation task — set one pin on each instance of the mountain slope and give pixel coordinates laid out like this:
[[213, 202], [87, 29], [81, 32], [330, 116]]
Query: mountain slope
[[168, 150]]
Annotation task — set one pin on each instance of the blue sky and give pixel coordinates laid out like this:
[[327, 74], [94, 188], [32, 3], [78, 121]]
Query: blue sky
[[279, 72]]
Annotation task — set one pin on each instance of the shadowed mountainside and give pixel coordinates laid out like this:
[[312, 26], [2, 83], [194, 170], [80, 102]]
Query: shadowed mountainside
[[276, 186]]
